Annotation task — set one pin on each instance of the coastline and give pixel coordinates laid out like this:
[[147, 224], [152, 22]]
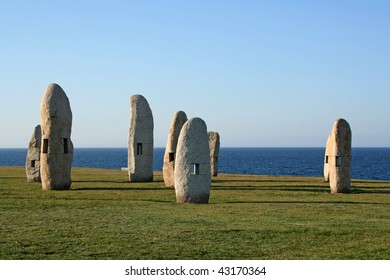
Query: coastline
[[367, 163]]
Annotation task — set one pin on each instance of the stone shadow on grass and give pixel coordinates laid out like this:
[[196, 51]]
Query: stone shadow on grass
[[359, 190], [306, 202], [256, 181], [292, 188], [101, 181], [304, 188], [105, 188]]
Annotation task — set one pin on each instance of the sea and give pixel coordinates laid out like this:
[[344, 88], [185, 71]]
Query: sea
[[367, 163]]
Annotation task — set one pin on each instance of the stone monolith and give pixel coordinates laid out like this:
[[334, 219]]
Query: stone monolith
[[339, 158], [140, 144], [326, 160], [56, 146], [33, 168], [214, 144], [192, 166], [170, 151]]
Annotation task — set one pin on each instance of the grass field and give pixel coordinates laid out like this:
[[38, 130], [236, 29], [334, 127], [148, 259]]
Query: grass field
[[104, 216]]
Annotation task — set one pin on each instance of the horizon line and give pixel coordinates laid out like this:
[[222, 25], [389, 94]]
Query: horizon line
[[224, 147]]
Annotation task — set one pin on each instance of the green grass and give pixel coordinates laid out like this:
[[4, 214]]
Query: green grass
[[104, 216]]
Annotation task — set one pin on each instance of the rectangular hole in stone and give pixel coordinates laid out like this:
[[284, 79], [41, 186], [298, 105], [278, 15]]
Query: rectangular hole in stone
[[327, 159], [66, 147], [171, 157], [45, 147], [32, 164], [139, 148], [195, 169]]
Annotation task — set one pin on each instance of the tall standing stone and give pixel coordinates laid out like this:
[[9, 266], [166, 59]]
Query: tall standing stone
[[56, 147], [140, 145], [214, 144], [192, 168], [33, 170], [339, 159], [170, 151], [326, 160]]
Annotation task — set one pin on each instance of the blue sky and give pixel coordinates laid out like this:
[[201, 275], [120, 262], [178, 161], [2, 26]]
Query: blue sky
[[261, 73]]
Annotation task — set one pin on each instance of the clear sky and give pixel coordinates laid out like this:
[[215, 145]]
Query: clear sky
[[261, 73]]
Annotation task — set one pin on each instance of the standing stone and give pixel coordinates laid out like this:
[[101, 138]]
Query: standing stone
[[56, 147], [33, 170], [326, 160], [170, 151], [192, 168], [214, 144], [339, 159], [140, 145]]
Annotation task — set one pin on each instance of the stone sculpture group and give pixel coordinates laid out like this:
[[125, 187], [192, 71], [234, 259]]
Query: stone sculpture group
[[190, 158], [50, 153], [186, 163]]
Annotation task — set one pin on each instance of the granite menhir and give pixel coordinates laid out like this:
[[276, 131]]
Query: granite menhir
[[140, 144], [214, 142], [338, 157], [33, 168], [57, 147], [192, 167], [326, 160], [170, 151]]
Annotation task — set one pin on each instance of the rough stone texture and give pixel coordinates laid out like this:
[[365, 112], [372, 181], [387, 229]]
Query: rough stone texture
[[214, 144], [326, 160], [33, 169], [192, 168], [170, 151], [140, 145], [56, 146], [339, 159]]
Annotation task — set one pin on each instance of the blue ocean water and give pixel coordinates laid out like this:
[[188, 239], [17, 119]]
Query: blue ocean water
[[367, 163]]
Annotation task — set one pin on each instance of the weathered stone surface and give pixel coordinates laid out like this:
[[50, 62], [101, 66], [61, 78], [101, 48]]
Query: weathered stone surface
[[326, 160], [170, 151], [339, 158], [140, 144], [33, 170], [214, 144], [56, 146], [192, 167]]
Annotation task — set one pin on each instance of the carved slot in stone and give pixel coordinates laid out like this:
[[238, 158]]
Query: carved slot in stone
[[32, 164], [195, 169], [66, 147], [45, 146], [171, 157], [139, 148]]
